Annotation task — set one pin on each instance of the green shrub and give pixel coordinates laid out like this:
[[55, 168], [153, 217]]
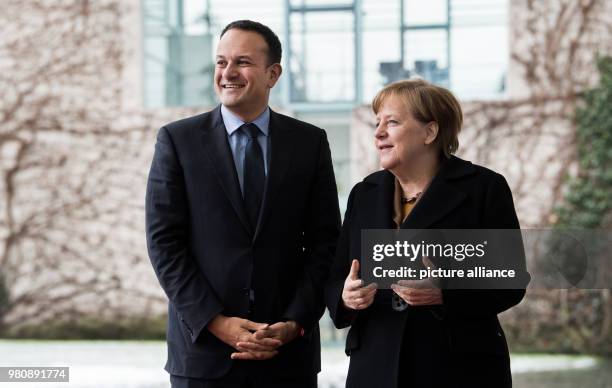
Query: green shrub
[[589, 200]]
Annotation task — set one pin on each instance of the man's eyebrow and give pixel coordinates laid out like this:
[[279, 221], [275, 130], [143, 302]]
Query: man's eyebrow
[[238, 57]]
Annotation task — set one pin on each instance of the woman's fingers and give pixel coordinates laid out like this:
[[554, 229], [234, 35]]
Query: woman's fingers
[[418, 296], [354, 272], [366, 301], [423, 284], [361, 298], [361, 292], [354, 294], [352, 285], [370, 287]]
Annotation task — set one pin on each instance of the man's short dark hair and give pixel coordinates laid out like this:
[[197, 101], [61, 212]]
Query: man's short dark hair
[[275, 50]]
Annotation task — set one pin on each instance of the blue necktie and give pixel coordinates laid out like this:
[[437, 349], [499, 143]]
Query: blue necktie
[[254, 174]]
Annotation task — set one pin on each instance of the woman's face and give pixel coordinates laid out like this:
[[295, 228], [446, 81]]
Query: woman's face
[[399, 138]]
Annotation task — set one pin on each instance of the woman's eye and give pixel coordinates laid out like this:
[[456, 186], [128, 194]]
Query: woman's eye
[[376, 125]]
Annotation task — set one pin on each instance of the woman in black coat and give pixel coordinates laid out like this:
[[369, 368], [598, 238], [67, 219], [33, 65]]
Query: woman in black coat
[[445, 337]]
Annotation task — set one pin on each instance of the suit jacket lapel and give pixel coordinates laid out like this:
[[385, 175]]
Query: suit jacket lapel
[[439, 200], [220, 155], [441, 197], [282, 144]]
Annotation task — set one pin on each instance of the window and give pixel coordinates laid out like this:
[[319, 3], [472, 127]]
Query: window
[[178, 65]]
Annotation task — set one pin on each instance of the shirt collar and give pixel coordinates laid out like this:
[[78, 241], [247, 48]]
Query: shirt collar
[[233, 122]]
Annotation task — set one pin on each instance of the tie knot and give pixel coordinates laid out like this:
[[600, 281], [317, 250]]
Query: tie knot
[[251, 130]]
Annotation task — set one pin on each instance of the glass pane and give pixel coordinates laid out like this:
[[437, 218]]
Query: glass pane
[[322, 61], [269, 12], [327, 3], [155, 72], [381, 62], [177, 54], [426, 55], [479, 48], [381, 45], [418, 12], [195, 17]]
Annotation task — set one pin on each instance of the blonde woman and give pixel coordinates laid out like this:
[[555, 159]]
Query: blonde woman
[[445, 338]]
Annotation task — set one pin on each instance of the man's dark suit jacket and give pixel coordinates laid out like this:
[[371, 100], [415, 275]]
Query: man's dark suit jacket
[[465, 335], [209, 260]]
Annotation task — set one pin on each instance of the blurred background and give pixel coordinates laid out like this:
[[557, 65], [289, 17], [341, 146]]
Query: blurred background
[[86, 84]]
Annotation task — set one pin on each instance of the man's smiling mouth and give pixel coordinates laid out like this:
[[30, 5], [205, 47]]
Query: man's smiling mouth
[[232, 86]]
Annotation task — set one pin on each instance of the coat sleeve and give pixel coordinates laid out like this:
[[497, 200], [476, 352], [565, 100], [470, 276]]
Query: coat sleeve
[[499, 213], [340, 315], [320, 236], [167, 228]]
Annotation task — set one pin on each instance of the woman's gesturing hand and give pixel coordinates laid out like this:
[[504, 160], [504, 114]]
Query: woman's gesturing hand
[[354, 295], [424, 292]]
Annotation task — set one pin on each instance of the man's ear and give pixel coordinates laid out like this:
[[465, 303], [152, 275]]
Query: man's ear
[[431, 132], [275, 72]]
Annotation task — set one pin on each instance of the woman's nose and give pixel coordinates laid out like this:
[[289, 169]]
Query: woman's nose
[[379, 131]]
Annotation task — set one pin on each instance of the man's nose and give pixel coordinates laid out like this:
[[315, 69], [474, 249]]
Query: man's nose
[[230, 70]]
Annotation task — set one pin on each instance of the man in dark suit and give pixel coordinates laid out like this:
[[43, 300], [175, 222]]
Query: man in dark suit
[[242, 220]]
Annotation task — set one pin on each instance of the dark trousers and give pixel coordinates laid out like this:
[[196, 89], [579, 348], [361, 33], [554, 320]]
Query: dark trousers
[[245, 375]]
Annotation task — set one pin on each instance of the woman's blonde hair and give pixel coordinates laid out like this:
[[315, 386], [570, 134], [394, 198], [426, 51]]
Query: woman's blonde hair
[[427, 103]]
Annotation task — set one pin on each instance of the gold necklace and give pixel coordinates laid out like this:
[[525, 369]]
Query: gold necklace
[[411, 199]]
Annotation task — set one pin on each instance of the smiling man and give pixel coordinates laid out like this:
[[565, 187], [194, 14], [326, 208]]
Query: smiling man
[[242, 220]]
